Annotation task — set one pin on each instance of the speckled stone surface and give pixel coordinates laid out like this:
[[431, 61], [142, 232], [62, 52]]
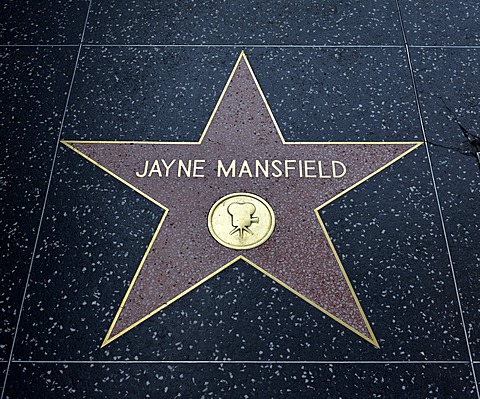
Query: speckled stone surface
[[33, 91], [3, 370], [451, 110], [246, 23], [339, 94], [238, 334], [121, 91], [137, 93], [42, 22], [242, 380], [444, 23]]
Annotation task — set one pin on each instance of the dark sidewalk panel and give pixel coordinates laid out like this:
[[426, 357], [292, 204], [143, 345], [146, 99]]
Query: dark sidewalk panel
[[339, 94], [244, 22], [42, 22], [146, 94], [441, 23], [458, 180], [388, 234], [449, 92], [37, 380], [169, 94], [447, 81], [93, 236], [3, 371], [33, 90], [477, 372]]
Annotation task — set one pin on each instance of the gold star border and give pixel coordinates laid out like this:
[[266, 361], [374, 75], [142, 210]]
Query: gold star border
[[108, 339]]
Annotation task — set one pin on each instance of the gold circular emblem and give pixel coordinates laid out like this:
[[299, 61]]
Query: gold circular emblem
[[241, 221]]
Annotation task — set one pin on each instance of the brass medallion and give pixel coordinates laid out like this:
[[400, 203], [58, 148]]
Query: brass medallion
[[241, 221]]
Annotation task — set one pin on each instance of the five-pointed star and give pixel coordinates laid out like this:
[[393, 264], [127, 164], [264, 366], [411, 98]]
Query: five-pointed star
[[183, 254]]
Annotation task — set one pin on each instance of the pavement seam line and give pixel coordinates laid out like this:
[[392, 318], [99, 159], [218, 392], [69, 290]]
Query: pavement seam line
[[437, 197], [42, 214]]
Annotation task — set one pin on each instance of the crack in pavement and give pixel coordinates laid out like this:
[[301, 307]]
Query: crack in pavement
[[472, 139]]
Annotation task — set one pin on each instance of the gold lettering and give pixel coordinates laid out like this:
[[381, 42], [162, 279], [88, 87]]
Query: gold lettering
[[221, 168], [245, 169], [334, 169], [167, 167], [155, 169], [274, 166], [320, 171], [263, 168], [182, 166], [144, 171], [197, 167], [309, 168], [287, 167]]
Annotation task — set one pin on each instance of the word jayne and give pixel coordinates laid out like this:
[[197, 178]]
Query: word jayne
[[256, 168]]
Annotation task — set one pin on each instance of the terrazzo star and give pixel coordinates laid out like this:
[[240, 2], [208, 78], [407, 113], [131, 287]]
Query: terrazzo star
[[289, 241]]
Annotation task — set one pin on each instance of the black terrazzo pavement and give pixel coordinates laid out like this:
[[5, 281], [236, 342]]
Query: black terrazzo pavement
[[245, 23], [450, 94], [243, 381], [150, 71], [33, 93]]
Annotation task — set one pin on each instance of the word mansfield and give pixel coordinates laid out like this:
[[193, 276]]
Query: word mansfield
[[257, 168]]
